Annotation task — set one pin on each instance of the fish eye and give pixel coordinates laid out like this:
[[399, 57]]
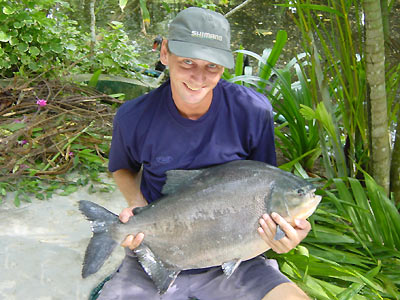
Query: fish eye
[[300, 191]]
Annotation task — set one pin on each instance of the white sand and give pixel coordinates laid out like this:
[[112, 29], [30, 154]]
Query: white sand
[[42, 245]]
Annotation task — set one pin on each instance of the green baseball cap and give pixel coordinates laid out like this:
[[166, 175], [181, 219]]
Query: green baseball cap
[[200, 33]]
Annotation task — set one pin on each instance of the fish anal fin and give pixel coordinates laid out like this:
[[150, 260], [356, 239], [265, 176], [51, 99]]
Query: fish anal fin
[[162, 276], [280, 234], [230, 266]]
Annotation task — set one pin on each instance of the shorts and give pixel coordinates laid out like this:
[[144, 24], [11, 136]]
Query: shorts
[[252, 280]]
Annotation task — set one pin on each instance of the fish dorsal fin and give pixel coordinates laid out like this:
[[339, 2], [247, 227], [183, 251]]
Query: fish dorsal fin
[[178, 178], [230, 267], [162, 276]]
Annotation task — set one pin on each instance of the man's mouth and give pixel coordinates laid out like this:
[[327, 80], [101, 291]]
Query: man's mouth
[[192, 87]]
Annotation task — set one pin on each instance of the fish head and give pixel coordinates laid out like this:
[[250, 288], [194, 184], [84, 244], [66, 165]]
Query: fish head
[[293, 202]]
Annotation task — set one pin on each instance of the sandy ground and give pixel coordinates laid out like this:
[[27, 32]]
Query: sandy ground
[[42, 245]]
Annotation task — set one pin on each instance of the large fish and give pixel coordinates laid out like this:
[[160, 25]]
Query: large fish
[[206, 218]]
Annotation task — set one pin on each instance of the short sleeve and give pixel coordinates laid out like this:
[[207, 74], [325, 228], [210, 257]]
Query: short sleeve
[[121, 156]]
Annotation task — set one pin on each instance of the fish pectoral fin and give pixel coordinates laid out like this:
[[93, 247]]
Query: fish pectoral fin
[[280, 234], [230, 267], [162, 276]]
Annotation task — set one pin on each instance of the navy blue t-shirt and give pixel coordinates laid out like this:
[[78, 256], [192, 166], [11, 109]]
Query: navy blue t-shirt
[[149, 131]]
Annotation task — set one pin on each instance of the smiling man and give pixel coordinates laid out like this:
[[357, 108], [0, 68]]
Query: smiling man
[[193, 121]]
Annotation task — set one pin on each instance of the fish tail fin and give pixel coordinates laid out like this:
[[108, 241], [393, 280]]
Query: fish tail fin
[[101, 244]]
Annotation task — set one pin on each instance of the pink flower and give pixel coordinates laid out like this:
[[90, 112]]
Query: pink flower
[[41, 102], [23, 142], [71, 154]]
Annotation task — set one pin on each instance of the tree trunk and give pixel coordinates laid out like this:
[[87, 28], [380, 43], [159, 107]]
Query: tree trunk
[[375, 73], [92, 26]]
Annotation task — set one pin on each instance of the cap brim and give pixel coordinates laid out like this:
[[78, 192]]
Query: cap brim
[[190, 50]]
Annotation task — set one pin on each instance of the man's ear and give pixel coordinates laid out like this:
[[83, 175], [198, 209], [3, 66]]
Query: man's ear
[[164, 53]]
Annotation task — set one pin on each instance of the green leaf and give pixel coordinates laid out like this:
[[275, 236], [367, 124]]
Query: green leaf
[[13, 126], [18, 25], [69, 190], [94, 79], [27, 38], [56, 47], [9, 10], [122, 4], [17, 201], [22, 47], [4, 37], [144, 11], [108, 62], [71, 47], [34, 51]]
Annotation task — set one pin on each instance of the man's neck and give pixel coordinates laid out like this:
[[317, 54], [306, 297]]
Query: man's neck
[[196, 110]]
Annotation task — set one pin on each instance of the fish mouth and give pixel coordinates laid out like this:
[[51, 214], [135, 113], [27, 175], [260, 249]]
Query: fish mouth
[[311, 207]]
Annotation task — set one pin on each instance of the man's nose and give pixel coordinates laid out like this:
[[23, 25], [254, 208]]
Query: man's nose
[[199, 75]]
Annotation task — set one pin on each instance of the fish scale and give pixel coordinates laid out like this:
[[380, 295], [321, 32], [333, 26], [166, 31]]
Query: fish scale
[[206, 218]]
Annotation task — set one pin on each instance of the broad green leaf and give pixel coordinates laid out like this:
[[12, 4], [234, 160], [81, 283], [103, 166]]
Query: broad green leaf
[[22, 47], [56, 47], [4, 37], [94, 79], [144, 11], [18, 25], [108, 62], [27, 38], [7, 10], [272, 58], [34, 51], [122, 4]]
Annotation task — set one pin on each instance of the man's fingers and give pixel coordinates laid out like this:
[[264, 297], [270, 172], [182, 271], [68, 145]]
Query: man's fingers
[[285, 226], [132, 241], [125, 214]]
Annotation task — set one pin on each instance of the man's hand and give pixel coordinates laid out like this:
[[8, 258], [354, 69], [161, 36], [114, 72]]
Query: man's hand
[[130, 241], [294, 235]]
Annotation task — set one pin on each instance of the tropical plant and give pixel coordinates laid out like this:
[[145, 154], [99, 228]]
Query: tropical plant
[[35, 37], [353, 250], [297, 136], [30, 36]]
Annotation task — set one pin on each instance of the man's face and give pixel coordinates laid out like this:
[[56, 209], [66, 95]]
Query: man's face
[[192, 80]]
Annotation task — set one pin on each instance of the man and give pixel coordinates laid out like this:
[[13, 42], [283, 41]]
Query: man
[[193, 121]]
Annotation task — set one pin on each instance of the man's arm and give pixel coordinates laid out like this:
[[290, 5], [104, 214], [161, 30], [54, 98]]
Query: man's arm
[[129, 185]]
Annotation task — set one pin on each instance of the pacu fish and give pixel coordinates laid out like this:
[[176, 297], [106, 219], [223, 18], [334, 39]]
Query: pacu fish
[[207, 217]]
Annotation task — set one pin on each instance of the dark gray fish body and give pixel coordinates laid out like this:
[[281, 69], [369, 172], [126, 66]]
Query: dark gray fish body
[[207, 218]]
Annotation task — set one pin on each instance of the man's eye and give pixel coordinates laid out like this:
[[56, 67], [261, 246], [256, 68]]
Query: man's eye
[[212, 66], [188, 62]]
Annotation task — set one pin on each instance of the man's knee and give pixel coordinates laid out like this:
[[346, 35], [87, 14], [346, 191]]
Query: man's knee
[[287, 291]]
